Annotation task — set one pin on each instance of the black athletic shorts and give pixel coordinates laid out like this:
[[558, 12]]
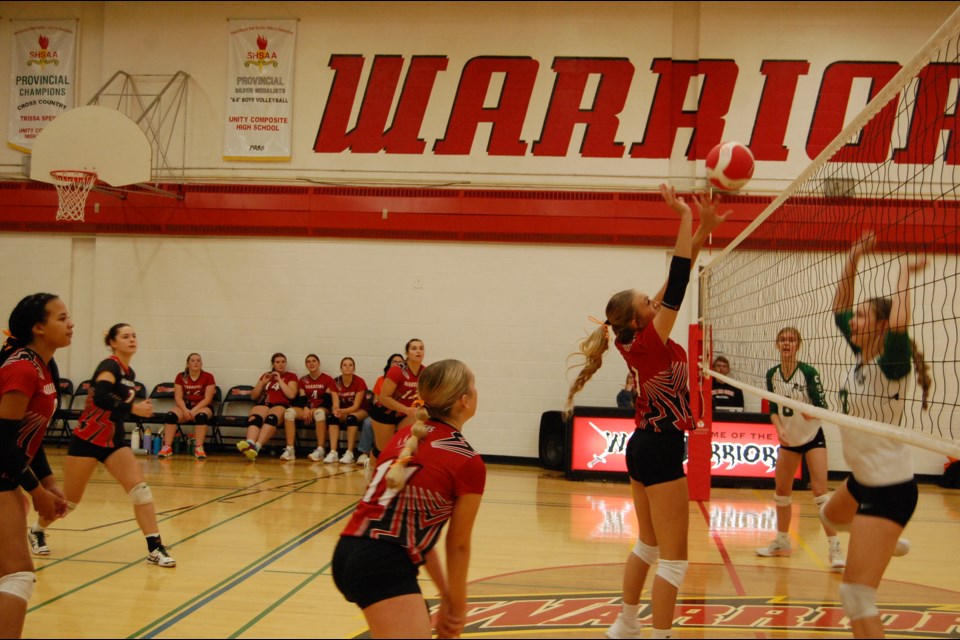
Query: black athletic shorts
[[81, 448], [655, 457], [8, 485], [369, 571], [818, 442], [895, 502], [385, 416]]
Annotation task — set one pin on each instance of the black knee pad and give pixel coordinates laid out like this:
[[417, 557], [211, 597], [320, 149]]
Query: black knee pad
[[351, 421], [272, 420], [171, 418], [255, 421], [375, 452], [201, 419]]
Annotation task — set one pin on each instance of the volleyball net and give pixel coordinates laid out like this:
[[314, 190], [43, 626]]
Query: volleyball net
[[892, 170]]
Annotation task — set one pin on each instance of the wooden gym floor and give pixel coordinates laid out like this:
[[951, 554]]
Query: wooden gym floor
[[253, 543]]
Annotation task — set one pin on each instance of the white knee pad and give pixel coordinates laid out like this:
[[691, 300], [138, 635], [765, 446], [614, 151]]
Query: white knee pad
[[141, 494], [290, 415], [827, 521], [645, 552], [672, 571], [19, 584], [320, 415], [782, 501], [859, 600]]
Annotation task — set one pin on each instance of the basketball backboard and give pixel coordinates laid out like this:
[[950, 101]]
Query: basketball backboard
[[93, 138]]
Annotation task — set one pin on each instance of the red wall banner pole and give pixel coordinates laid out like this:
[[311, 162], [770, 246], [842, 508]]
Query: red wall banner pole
[[699, 442]]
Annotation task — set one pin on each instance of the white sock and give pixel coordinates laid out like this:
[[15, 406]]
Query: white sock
[[631, 611], [662, 633], [37, 528], [833, 541], [783, 538]]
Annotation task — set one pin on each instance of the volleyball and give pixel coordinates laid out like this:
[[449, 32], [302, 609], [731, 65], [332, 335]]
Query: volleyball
[[729, 166]]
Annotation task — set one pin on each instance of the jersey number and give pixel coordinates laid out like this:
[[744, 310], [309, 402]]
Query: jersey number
[[388, 493]]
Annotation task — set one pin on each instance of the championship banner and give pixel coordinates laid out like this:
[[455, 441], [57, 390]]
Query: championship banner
[[258, 126], [44, 74]]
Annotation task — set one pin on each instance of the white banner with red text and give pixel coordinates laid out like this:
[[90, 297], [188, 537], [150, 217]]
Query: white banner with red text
[[260, 91], [43, 76]]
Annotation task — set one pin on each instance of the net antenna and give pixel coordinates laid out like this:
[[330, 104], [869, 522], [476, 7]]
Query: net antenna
[[895, 169], [72, 189]]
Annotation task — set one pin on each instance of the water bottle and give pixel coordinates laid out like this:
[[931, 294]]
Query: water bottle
[[147, 441], [135, 439], [156, 445]]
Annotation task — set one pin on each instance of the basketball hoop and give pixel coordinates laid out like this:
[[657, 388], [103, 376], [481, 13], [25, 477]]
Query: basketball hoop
[[72, 189]]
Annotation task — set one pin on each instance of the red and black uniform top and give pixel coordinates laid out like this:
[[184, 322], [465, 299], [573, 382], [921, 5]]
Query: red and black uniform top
[[660, 370], [101, 426], [406, 380], [347, 394], [444, 468], [194, 391], [274, 395], [25, 371], [316, 390]]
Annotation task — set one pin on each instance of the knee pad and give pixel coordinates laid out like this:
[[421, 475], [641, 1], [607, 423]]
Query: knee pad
[[351, 421], [290, 415], [827, 521], [319, 415], [272, 420], [782, 501], [19, 584], [821, 500], [255, 421], [859, 600], [141, 494], [170, 418], [672, 571], [645, 552], [201, 419]]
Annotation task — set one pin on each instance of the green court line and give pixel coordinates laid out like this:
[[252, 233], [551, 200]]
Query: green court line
[[264, 560]]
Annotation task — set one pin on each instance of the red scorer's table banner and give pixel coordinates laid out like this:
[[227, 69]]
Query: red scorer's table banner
[[744, 445]]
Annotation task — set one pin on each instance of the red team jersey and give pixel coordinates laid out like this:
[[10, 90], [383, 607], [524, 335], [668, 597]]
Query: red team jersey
[[348, 394], [316, 389], [104, 427], [194, 391], [406, 381], [444, 467], [660, 371], [25, 371], [274, 394]]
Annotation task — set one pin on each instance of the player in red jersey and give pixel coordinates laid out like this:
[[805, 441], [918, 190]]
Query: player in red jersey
[[655, 451], [394, 406], [274, 390], [315, 407], [347, 396], [193, 391], [427, 474], [39, 325], [100, 437]]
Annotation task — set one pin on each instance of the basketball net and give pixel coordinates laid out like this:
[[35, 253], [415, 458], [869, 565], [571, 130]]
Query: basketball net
[[72, 189]]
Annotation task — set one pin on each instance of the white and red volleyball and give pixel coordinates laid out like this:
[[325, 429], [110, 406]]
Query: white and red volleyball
[[729, 166]]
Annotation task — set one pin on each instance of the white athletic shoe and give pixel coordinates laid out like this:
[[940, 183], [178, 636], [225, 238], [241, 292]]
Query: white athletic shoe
[[347, 458], [837, 560], [776, 549], [289, 453], [38, 542], [332, 457], [317, 454], [363, 459], [160, 558], [902, 548], [624, 628]]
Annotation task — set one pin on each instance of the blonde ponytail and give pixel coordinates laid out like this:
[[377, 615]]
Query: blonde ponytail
[[397, 475]]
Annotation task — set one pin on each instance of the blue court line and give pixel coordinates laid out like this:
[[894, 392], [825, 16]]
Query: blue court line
[[186, 610]]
